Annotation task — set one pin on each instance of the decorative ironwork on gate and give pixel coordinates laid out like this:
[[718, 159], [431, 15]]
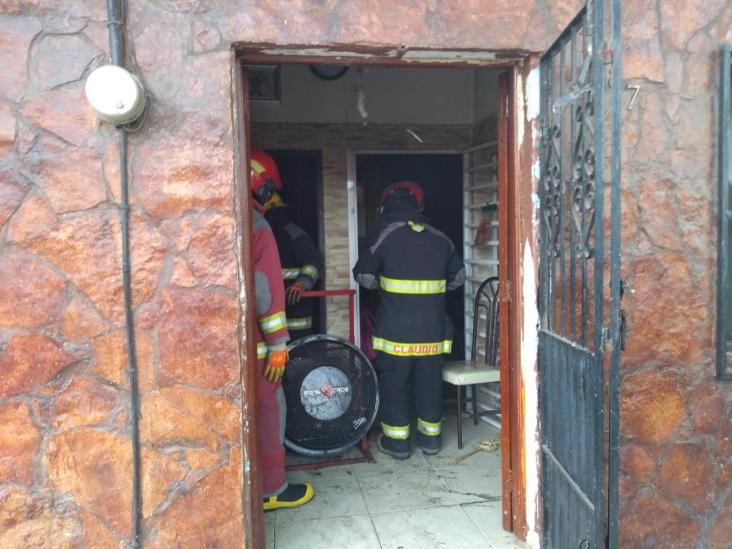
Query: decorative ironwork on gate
[[573, 281], [568, 183]]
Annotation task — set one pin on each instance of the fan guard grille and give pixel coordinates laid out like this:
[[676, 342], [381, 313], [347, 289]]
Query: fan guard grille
[[331, 393]]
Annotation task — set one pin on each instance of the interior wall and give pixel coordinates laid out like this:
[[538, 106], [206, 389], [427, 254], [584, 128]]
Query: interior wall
[[390, 96], [485, 90]]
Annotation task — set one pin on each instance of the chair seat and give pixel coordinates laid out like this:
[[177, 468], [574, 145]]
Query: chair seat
[[468, 372]]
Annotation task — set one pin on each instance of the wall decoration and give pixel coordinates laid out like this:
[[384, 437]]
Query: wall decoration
[[264, 82]]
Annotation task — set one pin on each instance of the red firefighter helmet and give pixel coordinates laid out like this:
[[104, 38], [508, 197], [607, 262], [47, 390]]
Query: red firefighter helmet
[[408, 186], [264, 177]]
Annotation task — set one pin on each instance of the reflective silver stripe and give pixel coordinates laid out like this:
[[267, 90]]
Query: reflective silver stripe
[[395, 431], [412, 349], [367, 281], [273, 323], [263, 299], [290, 273], [401, 286], [390, 228], [262, 350], [258, 221], [458, 281], [429, 428], [300, 323]]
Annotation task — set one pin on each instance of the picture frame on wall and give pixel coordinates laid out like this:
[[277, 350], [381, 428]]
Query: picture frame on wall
[[264, 82]]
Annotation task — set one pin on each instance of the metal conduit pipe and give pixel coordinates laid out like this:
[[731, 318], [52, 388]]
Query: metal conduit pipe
[[115, 26]]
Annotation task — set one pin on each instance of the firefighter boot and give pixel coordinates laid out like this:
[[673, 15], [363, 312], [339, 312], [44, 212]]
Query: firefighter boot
[[294, 495], [430, 444], [396, 448]]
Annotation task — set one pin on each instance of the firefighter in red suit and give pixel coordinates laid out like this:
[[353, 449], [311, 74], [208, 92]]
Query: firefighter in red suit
[[272, 337]]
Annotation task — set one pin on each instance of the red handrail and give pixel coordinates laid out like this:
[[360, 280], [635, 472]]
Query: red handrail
[[351, 301], [364, 444]]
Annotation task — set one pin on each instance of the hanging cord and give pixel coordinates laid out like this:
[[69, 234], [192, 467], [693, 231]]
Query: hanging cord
[[124, 213], [115, 24]]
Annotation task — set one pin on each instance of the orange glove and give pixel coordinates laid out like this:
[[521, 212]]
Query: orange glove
[[294, 293], [275, 366]]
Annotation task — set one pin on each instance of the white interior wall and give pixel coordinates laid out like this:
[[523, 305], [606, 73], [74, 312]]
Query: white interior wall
[[485, 94], [392, 96]]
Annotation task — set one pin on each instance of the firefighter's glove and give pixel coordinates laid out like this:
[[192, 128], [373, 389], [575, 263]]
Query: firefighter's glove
[[294, 293], [275, 366]]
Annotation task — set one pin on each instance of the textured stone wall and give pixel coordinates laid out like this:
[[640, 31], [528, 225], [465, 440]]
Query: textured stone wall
[[65, 475], [335, 140], [65, 454], [676, 419]]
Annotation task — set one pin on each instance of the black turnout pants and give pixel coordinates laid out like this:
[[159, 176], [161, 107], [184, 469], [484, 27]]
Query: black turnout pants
[[395, 374]]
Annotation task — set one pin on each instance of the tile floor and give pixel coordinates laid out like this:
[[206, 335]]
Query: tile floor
[[421, 503]]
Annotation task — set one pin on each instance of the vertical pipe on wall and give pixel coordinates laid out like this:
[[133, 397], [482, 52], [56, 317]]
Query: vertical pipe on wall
[[115, 25]]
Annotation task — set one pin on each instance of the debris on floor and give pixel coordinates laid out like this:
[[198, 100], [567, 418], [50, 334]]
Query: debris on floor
[[486, 446]]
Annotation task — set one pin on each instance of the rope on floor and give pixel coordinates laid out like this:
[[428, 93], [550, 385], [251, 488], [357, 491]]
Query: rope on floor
[[490, 445]]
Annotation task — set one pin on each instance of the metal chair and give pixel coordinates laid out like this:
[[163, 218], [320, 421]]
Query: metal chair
[[472, 372]]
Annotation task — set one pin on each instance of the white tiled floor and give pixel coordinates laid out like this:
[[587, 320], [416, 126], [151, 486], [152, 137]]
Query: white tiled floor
[[421, 503]]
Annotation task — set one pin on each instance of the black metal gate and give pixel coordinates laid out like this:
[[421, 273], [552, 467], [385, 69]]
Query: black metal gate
[[580, 141]]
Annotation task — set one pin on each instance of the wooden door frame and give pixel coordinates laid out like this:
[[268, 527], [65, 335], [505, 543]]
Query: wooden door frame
[[512, 467], [251, 493], [515, 217]]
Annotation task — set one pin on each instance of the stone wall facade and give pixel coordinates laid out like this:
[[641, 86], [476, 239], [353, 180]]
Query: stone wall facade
[[676, 419], [65, 473], [65, 460], [335, 141]]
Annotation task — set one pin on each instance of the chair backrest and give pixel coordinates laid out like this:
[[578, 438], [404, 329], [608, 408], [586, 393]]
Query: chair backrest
[[485, 310]]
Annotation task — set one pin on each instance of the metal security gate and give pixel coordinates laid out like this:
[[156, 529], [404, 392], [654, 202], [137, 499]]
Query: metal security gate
[[579, 255]]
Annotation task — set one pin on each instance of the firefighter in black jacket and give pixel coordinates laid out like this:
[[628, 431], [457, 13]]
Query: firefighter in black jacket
[[413, 264], [300, 258]]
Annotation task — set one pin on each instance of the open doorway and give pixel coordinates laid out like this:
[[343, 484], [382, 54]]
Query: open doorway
[[411, 110], [301, 171]]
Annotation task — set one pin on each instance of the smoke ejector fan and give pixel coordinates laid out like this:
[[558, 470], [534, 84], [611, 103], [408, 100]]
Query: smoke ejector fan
[[331, 393]]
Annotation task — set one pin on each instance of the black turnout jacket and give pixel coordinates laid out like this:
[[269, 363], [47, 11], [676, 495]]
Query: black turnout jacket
[[412, 264]]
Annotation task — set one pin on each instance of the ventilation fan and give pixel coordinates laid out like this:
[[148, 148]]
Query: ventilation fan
[[332, 396]]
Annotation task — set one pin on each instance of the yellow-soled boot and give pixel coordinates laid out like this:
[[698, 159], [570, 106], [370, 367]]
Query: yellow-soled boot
[[294, 495]]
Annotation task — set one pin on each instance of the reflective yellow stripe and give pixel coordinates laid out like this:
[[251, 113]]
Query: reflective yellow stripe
[[311, 271], [429, 428], [300, 323], [290, 273], [262, 350], [416, 227], [398, 432], [273, 323], [412, 349], [397, 286], [256, 165]]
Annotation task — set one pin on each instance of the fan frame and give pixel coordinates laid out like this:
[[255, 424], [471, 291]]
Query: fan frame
[[331, 452]]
